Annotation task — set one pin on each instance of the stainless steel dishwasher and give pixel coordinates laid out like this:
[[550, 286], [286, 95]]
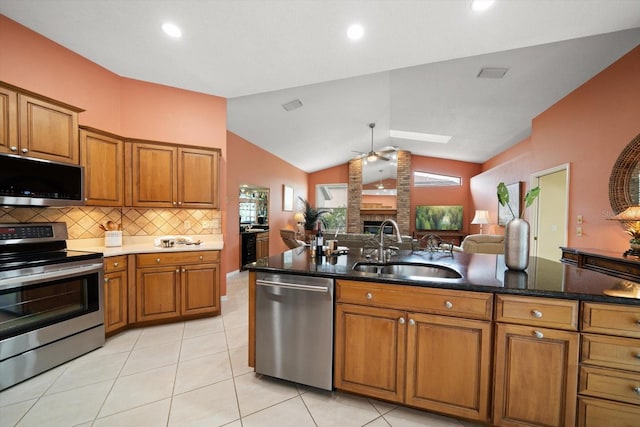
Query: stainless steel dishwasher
[[294, 328]]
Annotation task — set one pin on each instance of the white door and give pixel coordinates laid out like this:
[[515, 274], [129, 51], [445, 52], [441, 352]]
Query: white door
[[549, 214]]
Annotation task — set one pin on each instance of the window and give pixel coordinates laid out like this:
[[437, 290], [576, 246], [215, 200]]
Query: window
[[426, 179], [332, 198]]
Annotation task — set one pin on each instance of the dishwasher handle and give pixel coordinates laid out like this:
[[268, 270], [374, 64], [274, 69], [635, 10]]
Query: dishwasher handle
[[296, 286]]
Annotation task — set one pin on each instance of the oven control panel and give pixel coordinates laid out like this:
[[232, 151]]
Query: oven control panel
[[33, 231]]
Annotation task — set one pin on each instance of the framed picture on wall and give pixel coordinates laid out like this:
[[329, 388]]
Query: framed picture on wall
[[287, 198], [515, 196]]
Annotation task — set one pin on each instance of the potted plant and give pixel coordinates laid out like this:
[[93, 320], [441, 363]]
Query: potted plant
[[311, 217], [516, 232]]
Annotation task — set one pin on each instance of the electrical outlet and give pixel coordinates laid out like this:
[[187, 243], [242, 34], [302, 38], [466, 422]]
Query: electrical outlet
[[187, 225], [579, 231], [579, 219], [207, 224]]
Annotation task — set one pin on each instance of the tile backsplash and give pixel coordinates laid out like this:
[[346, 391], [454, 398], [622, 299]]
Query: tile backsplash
[[83, 222]]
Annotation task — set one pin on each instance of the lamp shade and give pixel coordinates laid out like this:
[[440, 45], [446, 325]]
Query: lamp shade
[[481, 217], [298, 217], [632, 213]]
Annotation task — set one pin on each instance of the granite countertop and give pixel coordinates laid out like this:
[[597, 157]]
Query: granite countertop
[[145, 244], [480, 272]]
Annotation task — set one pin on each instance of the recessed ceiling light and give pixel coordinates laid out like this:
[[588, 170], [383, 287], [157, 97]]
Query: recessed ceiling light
[[419, 136], [172, 30], [355, 32], [292, 105], [481, 5]]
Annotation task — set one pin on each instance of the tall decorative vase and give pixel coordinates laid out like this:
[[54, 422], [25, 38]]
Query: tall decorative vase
[[516, 244]]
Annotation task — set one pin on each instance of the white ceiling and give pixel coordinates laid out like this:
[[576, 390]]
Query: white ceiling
[[414, 70]]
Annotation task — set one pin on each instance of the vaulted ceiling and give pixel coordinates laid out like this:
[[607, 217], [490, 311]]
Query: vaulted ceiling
[[415, 69]]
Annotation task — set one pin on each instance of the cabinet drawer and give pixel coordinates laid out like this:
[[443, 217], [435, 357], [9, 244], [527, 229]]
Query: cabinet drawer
[[548, 312], [115, 263], [173, 258], [610, 384], [475, 305], [612, 319], [611, 352], [598, 413]]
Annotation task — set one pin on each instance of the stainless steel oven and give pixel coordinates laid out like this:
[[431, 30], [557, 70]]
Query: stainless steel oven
[[51, 307]]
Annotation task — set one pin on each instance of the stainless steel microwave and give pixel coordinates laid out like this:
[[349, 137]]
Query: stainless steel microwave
[[25, 181]]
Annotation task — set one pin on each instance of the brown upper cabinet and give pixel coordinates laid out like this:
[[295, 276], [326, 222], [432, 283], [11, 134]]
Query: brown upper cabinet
[[102, 156], [35, 126], [165, 176]]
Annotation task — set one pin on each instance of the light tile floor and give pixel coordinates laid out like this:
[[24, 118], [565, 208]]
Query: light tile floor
[[189, 374]]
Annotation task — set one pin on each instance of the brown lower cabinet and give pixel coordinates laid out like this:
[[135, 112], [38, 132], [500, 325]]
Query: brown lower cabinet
[[609, 388], [115, 294], [177, 284], [536, 367], [392, 343], [160, 287]]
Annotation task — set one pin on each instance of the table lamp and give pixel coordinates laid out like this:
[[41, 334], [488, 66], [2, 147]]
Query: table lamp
[[630, 219], [299, 219], [481, 218]]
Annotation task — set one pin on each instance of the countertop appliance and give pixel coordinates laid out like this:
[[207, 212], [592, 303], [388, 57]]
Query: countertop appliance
[[51, 304], [25, 181], [294, 328]]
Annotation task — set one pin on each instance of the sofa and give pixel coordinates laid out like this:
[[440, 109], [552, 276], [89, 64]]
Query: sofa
[[289, 237], [482, 243]]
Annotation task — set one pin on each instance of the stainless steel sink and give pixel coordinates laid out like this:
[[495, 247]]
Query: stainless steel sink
[[408, 269]]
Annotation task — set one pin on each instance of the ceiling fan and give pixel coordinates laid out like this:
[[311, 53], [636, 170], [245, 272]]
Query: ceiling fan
[[372, 155]]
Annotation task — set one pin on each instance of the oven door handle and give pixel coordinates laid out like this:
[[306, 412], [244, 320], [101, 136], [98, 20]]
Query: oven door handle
[[36, 278]]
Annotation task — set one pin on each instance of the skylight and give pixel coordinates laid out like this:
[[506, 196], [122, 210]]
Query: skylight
[[420, 136]]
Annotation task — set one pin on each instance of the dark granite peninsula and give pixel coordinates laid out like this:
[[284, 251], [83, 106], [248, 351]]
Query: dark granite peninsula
[[557, 345]]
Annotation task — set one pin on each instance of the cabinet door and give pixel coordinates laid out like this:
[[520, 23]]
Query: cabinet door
[[198, 178], [47, 131], [536, 373], [102, 158], [8, 121], [154, 175], [448, 365], [370, 345], [158, 293], [262, 245], [200, 289], [115, 301]]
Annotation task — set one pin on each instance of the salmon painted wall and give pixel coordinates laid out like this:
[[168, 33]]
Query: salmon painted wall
[[126, 107], [587, 129], [445, 195], [255, 166], [333, 175]]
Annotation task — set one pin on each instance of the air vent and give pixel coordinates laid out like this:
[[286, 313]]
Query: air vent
[[292, 105], [492, 73]]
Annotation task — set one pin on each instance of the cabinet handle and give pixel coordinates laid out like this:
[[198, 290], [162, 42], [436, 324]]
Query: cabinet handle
[[536, 313], [638, 322], [201, 257], [174, 203], [401, 320], [106, 279], [368, 295], [448, 304], [636, 390], [157, 260], [638, 355], [538, 334], [115, 264], [14, 148], [25, 150], [178, 270], [180, 203], [183, 270], [412, 322]]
